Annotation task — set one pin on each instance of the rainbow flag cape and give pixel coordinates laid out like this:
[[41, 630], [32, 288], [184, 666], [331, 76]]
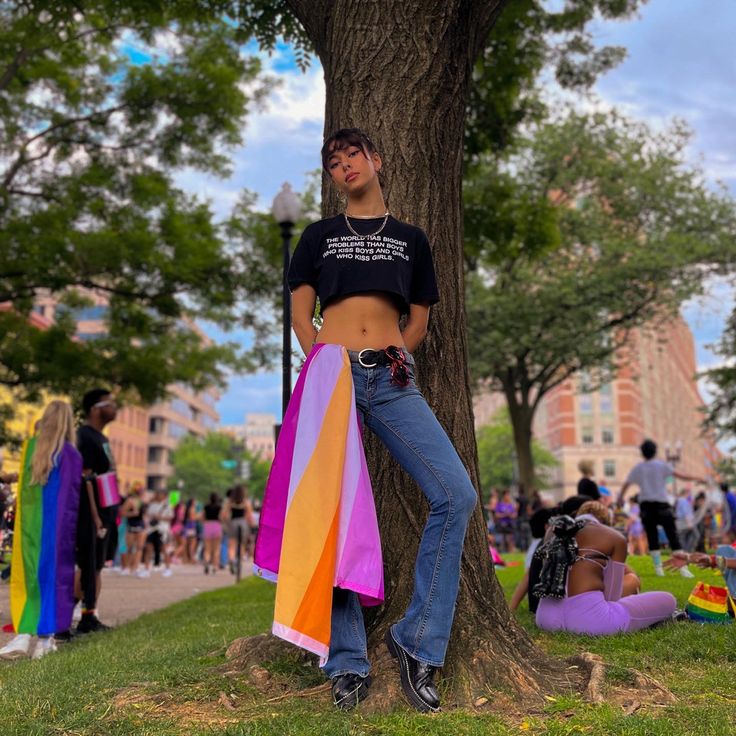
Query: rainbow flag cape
[[42, 565], [318, 526]]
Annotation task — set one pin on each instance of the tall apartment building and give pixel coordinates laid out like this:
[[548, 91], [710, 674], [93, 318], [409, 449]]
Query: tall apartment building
[[654, 394], [184, 413], [128, 436]]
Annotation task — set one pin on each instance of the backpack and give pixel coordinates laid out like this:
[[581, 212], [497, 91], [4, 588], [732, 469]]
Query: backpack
[[557, 554]]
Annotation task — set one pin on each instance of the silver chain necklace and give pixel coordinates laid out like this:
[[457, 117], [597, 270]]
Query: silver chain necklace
[[367, 235]]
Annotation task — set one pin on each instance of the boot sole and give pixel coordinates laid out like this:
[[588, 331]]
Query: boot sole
[[412, 696]]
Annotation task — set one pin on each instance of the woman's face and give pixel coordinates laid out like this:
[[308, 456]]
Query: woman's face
[[352, 170]]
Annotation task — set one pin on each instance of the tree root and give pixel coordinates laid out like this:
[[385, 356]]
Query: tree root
[[643, 688], [279, 671]]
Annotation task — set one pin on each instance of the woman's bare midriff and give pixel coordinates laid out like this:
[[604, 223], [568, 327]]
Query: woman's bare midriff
[[365, 320]]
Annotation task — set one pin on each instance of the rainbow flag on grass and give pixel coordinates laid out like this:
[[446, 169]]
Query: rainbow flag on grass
[[708, 604], [318, 526], [42, 565]]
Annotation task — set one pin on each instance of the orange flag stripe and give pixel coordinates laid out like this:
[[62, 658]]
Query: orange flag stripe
[[313, 507], [315, 611]]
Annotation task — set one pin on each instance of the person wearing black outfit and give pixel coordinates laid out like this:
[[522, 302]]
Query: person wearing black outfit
[[97, 528], [368, 270]]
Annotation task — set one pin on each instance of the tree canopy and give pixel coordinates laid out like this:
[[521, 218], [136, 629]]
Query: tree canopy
[[602, 227], [100, 106]]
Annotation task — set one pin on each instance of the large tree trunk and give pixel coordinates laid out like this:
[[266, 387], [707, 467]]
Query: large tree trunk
[[522, 417], [400, 71]]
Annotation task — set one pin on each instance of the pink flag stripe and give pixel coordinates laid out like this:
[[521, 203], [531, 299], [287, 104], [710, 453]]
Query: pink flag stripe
[[107, 490]]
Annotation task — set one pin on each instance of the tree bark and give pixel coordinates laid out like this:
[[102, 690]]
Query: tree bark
[[401, 71], [522, 416]]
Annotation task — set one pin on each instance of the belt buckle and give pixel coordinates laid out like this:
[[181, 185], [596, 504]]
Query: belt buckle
[[360, 358]]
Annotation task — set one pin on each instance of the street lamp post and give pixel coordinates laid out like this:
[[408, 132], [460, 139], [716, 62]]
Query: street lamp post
[[673, 455], [286, 210]]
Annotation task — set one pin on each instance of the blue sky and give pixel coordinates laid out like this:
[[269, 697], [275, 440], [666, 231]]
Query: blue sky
[[680, 64]]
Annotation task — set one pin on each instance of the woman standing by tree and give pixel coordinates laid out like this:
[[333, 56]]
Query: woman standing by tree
[[368, 270], [42, 576]]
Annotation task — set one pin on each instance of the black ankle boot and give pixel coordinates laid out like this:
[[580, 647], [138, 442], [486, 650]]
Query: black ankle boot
[[416, 678], [349, 689]]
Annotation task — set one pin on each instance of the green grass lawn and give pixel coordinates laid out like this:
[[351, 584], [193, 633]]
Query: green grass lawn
[[160, 675]]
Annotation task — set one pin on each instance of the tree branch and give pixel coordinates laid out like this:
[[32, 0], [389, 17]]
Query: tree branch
[[482, 16], [22, 161], [12, 69], [27, 193], [314, 16], [73, 121]]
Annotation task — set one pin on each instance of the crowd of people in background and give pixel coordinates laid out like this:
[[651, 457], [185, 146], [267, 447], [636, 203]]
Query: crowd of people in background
[[70, 478], [575, 566], [702, 518], [159, 534], [63, 522]]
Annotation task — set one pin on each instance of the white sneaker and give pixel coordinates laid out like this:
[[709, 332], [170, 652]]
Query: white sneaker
[[143, 574], [16, 648], [125, 571], [685, 573], [166, 573], [659, 571], [44, 647], [77, 613]]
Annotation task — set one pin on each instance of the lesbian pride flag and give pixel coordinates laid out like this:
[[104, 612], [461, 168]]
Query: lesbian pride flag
[[318, 526], [107, 490], [42, 566]]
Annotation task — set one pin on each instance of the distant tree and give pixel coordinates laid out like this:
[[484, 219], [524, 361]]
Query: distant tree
[[603, 227], [204, 465], [100, 104], [726, 470], [721, 414], [258, 475], [497, 456]]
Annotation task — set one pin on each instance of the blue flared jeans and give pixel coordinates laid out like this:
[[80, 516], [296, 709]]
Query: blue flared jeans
[[403, 421]]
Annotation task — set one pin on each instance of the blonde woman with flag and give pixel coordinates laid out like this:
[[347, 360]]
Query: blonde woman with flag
[[42, 565]]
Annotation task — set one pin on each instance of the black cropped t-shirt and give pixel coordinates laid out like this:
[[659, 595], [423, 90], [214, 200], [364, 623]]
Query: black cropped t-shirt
[[335, 262]]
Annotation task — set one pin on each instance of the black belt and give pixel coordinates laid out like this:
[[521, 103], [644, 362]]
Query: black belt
[[369, 358]]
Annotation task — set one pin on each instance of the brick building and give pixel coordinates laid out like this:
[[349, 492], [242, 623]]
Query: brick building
[[654, 394]]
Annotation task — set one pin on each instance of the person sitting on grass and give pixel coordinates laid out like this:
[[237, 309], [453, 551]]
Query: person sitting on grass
[[568, 507], [582, 581]]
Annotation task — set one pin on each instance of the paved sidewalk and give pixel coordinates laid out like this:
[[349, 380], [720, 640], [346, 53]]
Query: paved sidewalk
[[124, 598]]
